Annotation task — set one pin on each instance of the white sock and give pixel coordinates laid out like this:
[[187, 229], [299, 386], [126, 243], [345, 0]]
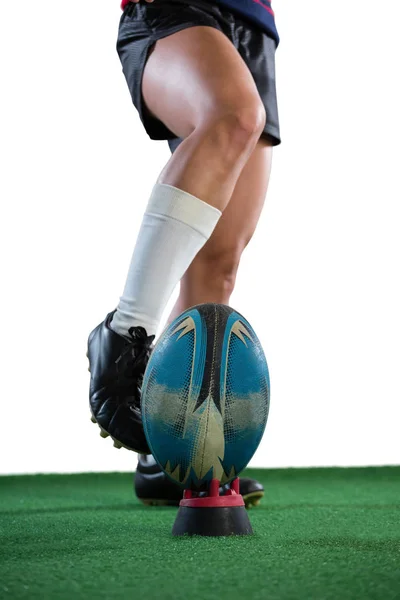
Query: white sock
[[175, 226]]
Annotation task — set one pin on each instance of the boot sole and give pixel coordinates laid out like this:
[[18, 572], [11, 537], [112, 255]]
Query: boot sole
[[251, 500], [103, 433]]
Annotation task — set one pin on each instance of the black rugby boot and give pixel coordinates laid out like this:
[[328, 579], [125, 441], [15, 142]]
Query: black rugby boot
[[117, 364], [154, 488]]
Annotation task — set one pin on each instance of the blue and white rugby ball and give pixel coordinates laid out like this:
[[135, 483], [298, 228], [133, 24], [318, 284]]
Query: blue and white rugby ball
[[205, 396]]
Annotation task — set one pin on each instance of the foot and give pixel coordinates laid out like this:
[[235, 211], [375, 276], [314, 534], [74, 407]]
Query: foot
[[154, 488], [117, 364]]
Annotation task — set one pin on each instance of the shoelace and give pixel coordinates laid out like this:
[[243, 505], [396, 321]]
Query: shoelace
[[139, 349]]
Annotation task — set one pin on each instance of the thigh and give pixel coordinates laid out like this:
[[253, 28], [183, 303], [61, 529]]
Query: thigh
[[193, 76], [258, 52]]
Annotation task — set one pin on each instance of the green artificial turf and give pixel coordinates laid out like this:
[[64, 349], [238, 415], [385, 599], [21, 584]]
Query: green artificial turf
[[319, 533]]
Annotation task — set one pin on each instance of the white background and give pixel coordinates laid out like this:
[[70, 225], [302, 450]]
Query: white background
[[319, 281]]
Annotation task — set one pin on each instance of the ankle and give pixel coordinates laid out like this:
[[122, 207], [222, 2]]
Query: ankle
[[123, 320]]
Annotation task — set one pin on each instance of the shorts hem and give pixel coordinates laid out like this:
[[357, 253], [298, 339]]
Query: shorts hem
[[273, 135]]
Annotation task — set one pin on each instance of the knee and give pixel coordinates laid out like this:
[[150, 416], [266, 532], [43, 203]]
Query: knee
[[237, 126], [250, 120]]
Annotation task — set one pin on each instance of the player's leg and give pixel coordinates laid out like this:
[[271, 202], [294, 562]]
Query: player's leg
[[199, 86], [212, 274]]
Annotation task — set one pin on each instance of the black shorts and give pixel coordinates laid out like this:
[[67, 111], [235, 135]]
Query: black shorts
[[141, 25]]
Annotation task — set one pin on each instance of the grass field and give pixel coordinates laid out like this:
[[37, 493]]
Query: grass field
[[318, 534]]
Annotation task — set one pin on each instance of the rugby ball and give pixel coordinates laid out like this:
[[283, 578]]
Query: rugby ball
[[205, 396]]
